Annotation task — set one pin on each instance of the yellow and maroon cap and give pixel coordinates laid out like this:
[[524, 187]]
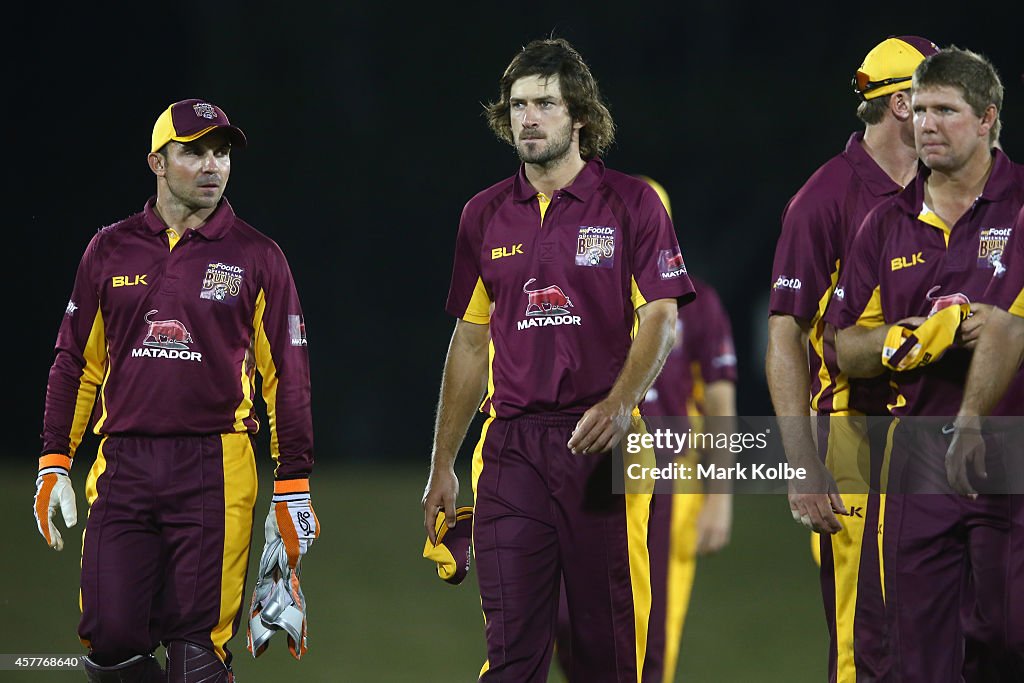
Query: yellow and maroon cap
[[890, 65], [453, 550], [189, 120]]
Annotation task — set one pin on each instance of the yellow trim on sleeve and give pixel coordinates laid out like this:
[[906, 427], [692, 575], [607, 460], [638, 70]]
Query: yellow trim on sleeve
[[840, 383], [872, 315], [268, 371], [637, 297], [478, 310], [244, 408], [94, 374], [1017, 307]]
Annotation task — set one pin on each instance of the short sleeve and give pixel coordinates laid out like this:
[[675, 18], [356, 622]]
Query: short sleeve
[[659, 271], [468, 298], [806, 257], [857, 297], [713, 349]]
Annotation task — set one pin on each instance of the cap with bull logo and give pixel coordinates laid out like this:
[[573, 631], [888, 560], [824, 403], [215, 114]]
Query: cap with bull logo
[[189, 120]]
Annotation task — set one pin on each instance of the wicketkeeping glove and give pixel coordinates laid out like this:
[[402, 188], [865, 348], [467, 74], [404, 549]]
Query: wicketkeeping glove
[[53, 489], [277, 603], [292, 519]]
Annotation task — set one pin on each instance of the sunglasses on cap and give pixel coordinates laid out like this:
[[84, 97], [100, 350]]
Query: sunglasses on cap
[[863, 84]]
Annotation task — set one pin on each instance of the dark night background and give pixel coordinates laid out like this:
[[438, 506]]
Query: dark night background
[[366, 138]]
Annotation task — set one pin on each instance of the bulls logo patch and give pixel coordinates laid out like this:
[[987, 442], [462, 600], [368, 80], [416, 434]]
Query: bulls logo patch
[[222, 283], [991, 243], [547, 306], [595, 246], [204, 110]]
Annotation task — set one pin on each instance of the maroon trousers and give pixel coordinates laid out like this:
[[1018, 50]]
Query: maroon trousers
[[542, 514], [166, 543]]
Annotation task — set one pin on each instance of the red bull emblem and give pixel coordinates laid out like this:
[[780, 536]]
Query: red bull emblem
[[670, 264], [941, 302], [550, 300], [166, 334]]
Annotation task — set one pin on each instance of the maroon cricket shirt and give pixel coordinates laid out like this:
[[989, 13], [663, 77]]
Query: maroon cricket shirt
[[818, 224], [172, 337], [565, 290], [904, 259]]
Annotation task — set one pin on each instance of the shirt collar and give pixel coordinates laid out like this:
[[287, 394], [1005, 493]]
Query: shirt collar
[[1001, 181], [215, 227], [867, 169], [581, 188]]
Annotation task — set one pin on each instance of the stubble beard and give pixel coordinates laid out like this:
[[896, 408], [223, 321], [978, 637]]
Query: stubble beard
[[550, 155]]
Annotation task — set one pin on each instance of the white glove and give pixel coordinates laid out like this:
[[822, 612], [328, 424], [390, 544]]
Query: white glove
[[291, 519], [54, 489]]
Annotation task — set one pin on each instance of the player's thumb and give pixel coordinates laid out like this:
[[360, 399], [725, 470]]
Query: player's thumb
[[837, 503], [449, 513], [979, 465], [68, 506]]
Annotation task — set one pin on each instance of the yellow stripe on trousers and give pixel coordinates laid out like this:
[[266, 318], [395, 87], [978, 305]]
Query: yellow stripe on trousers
[[239, 499]]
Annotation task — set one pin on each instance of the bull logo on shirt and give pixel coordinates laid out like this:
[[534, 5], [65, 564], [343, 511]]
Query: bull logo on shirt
[[547, 306], [941, 302], [222, 283], [166, 334], [550, 300]]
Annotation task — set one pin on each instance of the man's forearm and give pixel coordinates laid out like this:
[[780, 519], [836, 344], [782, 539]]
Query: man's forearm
[[789, 383], [859, 350], [996, 360], [651, 346], [462, 385], [720, 418]]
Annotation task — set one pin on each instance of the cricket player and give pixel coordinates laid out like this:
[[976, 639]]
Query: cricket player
[[994, 367], [910, 284], [803, 376], [173, 310], [582, 268]]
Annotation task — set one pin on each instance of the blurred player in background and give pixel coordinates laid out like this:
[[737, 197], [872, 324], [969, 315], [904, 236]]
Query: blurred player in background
[[817, 226], [698, 379], [172, 311], [697, 382], [910, 282], [583, 271]]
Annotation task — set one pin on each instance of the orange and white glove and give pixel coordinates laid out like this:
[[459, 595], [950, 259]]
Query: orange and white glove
[[53, 490], [292, 519]]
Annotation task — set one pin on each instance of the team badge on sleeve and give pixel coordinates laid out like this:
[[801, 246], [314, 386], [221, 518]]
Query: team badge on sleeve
[[297, 330], [670, 264]]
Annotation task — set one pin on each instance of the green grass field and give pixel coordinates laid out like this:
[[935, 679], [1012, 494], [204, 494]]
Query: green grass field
[[379, 613]]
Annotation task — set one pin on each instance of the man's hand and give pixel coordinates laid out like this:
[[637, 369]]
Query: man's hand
[[966, 448], [441, 492], [291, 518], [714, 524], [816, 509], [53, 490], [970, 328], [601, 427]]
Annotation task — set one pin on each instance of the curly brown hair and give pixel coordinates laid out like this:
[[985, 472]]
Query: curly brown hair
[[556, 57]]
